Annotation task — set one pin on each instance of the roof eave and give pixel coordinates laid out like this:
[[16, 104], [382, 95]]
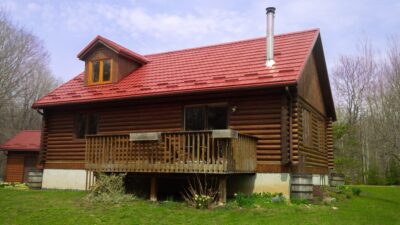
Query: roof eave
[[316, 48], [248, 87], [326, 87], [5, 149], [133, 56]]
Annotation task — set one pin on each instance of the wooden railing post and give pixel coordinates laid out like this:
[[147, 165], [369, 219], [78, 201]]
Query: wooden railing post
[[153, 188], [222, 190]]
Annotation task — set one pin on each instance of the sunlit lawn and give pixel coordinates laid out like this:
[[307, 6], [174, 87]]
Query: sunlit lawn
[[376, 205]]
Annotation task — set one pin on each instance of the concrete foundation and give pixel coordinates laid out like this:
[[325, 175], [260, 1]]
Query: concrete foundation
[[64, 179], [257, 183], [260, 182]]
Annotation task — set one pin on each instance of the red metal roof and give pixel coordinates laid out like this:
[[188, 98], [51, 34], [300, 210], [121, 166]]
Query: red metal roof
[[216, 67], [116, 47], [26, 140]]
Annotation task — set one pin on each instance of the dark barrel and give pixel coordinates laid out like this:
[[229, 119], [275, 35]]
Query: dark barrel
[[301, 186], [35, 180], [336, 179]]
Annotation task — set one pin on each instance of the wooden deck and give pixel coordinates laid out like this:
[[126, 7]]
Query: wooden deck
[[173, 152]]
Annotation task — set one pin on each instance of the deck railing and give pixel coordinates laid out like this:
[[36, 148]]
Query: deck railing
[[172, 152]]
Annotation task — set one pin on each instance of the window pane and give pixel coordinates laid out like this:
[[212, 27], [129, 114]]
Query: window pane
[[95, 71], [217, 118], [194, 118], [92, 126], [80, 126], [106, 70]]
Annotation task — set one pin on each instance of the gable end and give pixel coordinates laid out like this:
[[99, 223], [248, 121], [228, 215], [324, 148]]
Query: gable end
[[313, 82]]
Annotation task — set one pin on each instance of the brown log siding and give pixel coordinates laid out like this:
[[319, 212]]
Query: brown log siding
[[295, 130], [315, 154], [329, 143], [258, 113], [310, 97]]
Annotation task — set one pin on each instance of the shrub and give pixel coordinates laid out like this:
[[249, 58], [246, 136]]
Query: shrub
[[109, 189], [244, 200], [373, 176], [202, 201], [299, 201], [393, 173], [356, 191], [199, 193], [340, 193], [14, 185], [342, 189]]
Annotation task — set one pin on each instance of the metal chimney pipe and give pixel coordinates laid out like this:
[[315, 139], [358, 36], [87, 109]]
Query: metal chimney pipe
[[270, 36]]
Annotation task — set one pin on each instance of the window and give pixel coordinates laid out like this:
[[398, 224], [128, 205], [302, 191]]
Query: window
[[217, 118], [85, 124], [106, 70], [100, 71], [206, 118], [195, 118], [95, 71], [306, 127]]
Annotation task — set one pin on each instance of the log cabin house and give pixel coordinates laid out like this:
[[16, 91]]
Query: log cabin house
[[251, 112], [22, 155]]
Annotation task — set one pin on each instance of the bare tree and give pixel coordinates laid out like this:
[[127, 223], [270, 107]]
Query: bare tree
[[388, 115], [368, 99], [352, 80], [354, 77], [24, 78]]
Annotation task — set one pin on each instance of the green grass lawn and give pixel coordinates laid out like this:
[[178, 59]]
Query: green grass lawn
[[376, 205]]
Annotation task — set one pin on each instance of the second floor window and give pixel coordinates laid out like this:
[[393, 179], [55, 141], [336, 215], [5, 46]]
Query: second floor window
[[100, 71], [206, 117], [85, 124]]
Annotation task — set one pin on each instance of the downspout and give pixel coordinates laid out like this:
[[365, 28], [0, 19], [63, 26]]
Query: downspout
[[290, 112]]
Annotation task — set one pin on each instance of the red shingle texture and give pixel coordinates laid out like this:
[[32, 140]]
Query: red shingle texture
[[216, 67], [26, 140]]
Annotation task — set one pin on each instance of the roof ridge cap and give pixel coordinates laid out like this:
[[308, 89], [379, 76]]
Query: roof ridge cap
[[230, 42], [118, 48]]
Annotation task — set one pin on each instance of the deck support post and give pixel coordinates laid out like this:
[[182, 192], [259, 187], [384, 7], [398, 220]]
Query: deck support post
[[153, 188], [222, 190]]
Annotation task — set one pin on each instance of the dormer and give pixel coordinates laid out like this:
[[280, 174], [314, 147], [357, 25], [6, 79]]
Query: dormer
[[108, 62]]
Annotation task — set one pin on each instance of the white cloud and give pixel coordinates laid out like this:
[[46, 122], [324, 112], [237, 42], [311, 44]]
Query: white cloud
[[33, 7], [161, 25], [151, 31], [139, 22]]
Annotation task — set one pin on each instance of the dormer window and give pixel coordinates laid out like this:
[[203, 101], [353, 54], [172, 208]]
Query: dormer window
[[100, 71], [107, 62]]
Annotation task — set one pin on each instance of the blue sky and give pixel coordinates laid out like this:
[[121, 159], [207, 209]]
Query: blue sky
[[66, 26]]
